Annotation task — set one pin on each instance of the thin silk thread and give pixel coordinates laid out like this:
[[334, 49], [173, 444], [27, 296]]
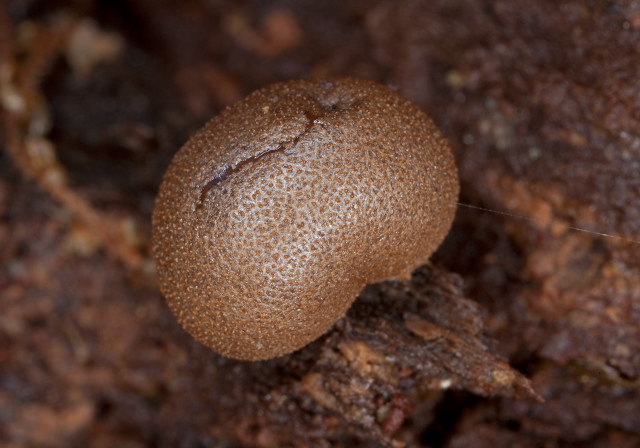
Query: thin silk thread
[[527, 218]]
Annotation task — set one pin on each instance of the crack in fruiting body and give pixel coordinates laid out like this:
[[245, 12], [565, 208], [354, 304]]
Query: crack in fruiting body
[[273, 217], [229, 170]]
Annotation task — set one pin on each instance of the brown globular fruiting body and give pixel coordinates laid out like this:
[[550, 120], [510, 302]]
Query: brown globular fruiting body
[[273, 217]]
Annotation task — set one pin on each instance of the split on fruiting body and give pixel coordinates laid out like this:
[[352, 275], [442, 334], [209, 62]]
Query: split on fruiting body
[[273, 217]]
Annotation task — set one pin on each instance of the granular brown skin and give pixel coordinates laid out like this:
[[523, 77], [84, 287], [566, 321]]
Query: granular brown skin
[[274, 216]]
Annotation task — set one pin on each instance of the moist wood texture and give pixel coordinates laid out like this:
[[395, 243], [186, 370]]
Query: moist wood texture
[[275, 215], [539, 101]]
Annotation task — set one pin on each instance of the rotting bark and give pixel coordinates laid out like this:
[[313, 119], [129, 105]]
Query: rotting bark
[[398, 342], [541, 106]]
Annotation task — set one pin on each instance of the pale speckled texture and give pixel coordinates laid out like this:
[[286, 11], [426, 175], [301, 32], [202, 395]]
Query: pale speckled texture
[[274, 216]]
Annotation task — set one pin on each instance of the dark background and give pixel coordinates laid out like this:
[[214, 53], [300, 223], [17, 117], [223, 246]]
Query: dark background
[[541, 104]]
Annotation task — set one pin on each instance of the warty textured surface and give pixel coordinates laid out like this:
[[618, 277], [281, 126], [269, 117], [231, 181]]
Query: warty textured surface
[[274, 216]]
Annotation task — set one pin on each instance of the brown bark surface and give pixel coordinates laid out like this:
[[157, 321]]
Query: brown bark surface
[[541, 103]]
